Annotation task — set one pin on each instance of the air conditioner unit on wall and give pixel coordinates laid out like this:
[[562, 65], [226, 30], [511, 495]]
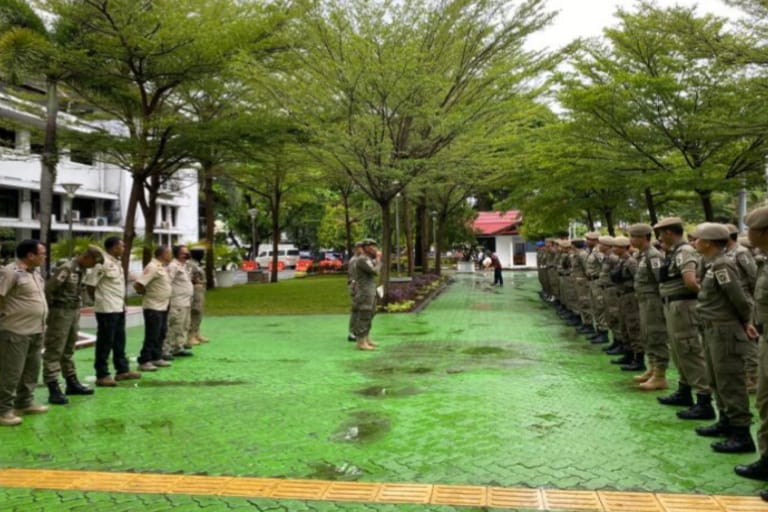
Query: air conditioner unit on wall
[[92, 221], [74, 215]]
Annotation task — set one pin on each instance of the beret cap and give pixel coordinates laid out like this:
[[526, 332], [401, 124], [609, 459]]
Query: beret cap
[[592, 235], [732, 229], [711, 231], [606, 240], [640, 230], [620, 241], [668, 221], [757, 218]]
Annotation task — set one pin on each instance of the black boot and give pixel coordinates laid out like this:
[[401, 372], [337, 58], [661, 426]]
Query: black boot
[[585, 329], [719, 429], [680, 397], [701, 411], [75, 388], [574, 321], [739, 441], [55, 396], [637, 364], [617, 350], [758, 470], [625, 359], [764, 495], [615, 343], [599, 338]]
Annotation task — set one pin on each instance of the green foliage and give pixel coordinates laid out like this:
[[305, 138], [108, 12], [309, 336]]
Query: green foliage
[[60, 249], [227, 257]]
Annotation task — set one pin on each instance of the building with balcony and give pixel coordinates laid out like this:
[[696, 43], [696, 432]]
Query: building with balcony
[[99, 206]]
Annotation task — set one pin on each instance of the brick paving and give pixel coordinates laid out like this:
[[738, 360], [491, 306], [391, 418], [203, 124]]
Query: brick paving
[[484, 388]]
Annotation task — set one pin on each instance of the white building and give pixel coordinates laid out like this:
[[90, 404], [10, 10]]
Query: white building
[[498, 232], [100, 204]]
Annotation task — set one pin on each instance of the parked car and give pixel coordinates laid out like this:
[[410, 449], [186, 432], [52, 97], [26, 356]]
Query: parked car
[[288, 257]]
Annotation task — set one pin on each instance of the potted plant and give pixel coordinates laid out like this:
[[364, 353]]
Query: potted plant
[[227, 262]]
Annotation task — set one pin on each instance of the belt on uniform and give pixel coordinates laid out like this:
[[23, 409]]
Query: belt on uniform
[[679, 296], [58, 305]]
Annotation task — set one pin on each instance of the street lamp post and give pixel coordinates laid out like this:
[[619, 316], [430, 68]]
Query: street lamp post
[[253, 212], [70, 189], [434, 231]]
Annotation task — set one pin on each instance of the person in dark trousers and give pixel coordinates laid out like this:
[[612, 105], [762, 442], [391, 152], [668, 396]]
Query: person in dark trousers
[[496, 264]]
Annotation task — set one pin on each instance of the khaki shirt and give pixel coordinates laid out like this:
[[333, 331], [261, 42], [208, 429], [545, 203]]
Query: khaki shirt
[[745, 265], [181, 284], [722, 298], [648, 267], [24, 307], [157, 286], [109, 281], [610, 262], [594, 263], [64, 288], [761, 295], [197, 273], [680, 259], [579, 264]]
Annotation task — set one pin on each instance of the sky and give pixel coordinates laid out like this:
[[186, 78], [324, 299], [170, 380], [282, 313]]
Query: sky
[[586, 18]]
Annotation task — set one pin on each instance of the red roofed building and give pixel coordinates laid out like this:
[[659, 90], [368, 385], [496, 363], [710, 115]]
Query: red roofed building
[[498, 232]]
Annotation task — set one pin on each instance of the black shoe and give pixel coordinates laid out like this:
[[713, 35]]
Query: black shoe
[[573, 322], [758, 470], [183, 353], [585, 329], [764, 495], [352, 338], [75, 388], [55, 396], [601, 338], [739, 441], [635, 366], [167, 357], [681, 397], [701, 411], [627, 358], [719, 429], [613, 346]]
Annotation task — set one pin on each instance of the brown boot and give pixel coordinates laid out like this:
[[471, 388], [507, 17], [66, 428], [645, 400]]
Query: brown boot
[[657, 381], [645, 376], [362, 344]]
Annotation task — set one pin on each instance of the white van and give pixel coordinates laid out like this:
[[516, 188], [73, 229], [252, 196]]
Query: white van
[[289, 255]]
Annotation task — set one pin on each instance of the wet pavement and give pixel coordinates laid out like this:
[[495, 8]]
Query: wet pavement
[[486, 387]]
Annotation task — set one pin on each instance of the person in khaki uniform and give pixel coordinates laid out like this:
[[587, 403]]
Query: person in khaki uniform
[[553, 276], [366, 272], [593, 262], [725, 317], [182, 290], [679, 290], [23, 313], [352, 287], [757, 221], [747, 268], [63, 291], [197, 272], [581, 285], [629, 311], [610, 296], [106, 284], [155, 285], [652, 324]]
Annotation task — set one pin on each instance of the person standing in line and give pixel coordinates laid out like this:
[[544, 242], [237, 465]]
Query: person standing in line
[[629, 311], [652, 324], [23, 313], [679, 290], [63, 291], [367, 267], [352, 287], [594, 264], [496, 264], [180, 306], [757, 221], [155, 285], [106, 284], [197, 272]]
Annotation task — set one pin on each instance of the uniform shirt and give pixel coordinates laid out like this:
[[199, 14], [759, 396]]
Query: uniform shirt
[[610, 261], [109, 282], [64, 288], [594, 263], [366, 274], [626, 271], [649, 264], [181, 284], [24, 308], [761, 295], [157, 286], [579, 264], [721, 297], [745, 266], [196, 273], [680, 259]]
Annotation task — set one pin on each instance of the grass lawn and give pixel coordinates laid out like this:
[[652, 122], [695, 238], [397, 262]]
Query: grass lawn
[[323, 294]]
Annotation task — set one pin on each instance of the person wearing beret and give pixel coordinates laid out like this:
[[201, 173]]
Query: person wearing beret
[[594, 262], [610, 295], [366, 272], [679, 290], [629, 312], [725, 316]]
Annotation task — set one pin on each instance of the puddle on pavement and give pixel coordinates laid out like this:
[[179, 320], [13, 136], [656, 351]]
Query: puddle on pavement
[[484, 351], [109, 426], [182, 383], [323, 470], [362, 427], [388, 391], [158, 424]]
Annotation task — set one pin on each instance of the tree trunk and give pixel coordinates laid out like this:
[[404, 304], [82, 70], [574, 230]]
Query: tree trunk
[[408, 230], [386, 233], [129, 233], [422, 236], [438, 243], [210, 225], [706, 204], [608, 215], [347, 226], [590, 220], [150, 215], [275, 238], [48, 162], [651, 205]]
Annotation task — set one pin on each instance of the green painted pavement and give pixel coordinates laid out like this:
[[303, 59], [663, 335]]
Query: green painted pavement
[[485, 387]]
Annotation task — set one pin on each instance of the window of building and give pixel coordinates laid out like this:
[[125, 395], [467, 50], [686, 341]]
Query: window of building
[[81, 156], [7, 138], [9, 203]]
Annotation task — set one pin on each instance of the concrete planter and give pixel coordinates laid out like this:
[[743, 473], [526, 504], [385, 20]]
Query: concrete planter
[[225, 278]]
